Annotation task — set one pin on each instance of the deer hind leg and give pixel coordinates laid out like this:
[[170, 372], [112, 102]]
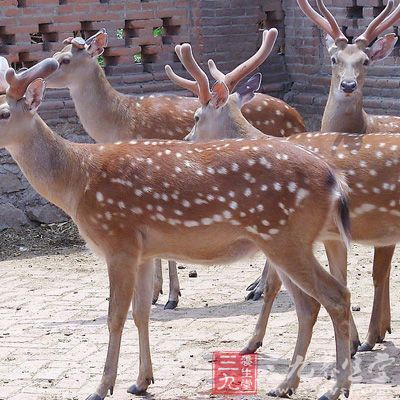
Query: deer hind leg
[[122, 275], [336, 252], [380, 318], [257, 287], [141, 305], [307, 310], [158, 280], [299, 264], [174, 289], [272, 286]]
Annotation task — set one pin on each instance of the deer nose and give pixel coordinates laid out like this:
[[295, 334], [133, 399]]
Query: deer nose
[[348, 86]]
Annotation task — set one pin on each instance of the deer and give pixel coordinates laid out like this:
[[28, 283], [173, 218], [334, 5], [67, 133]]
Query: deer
[[349, 67], [163, 116], [144, 199], [371, 166]]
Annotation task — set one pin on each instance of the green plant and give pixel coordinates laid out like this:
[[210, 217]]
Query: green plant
[[120, 33], [100, 60], [137, 58], [160, 31]]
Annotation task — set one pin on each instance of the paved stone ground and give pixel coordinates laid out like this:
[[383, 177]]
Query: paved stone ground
[[53, 333]]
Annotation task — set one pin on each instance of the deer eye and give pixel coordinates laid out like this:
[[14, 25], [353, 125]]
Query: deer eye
[[5, 115], [334, 61], [366, 62], [66, 61], [196, 118]]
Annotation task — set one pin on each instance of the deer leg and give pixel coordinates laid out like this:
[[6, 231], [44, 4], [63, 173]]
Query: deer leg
[[307, 310], [122, 276], [258, 286], [380, 318], [336, 252], [300, 265], [141, 305], [174, 289], [271, 288], [158, 280]]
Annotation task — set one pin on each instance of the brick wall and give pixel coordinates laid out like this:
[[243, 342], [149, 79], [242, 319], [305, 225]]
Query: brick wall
[[142, 36]]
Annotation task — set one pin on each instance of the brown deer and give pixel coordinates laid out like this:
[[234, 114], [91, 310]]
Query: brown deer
[[372, 167], [124, 117], [139, 200], [344, 113]]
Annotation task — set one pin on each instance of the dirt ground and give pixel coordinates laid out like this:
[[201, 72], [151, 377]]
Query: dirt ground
[[53, 332]]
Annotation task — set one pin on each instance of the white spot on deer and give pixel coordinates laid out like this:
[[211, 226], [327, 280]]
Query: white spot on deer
[[217, 218], [178, 212], [200, 201], [233, 205], [363, 164], [265, 222], [278, 112], [244, 148], [252, 229], [99, 197], [108, 215], [260, 208], [211, 170], [292, 186], [178, 155], [282, 222], [210, 197], [110, 201], [138, 192], [364, 208], [251, 162], [191, 224], [264, 236], [174, 222], [150, 207], [227, 214], [247, 192], [121, 205], [164, 197], [273, 231], [394, 147], [277, 186], [207, 221], [231, 194], [222, 171], [104, 226], [372, 172], [199, 172], [301, 195], [221, 199], [235, 167], [137, 210], [351, 172], [264, 162]]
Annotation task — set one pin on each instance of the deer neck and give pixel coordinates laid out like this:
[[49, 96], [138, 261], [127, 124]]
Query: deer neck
[[101, 109], [51, 164], [344, 114], [237, 125]]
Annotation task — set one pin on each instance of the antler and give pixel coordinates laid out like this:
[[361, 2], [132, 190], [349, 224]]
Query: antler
[[380, 24], [234, 77], [18, 83], [201, 85], [327, 24]]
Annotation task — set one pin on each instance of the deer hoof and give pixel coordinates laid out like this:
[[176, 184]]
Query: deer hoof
[[171, 305], [365, 347], [281, 393], [355, 347], [251, 350], [136, 391], [94, 396]]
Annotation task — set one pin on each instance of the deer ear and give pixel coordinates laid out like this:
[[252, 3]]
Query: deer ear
[[3, 68], [219, 95], [382, 47], [96, 43], [34, 94], [247, 90], [330, 43]]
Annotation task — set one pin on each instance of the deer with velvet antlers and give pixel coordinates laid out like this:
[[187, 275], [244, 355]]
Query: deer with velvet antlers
[[110, 116], [344, 113], [139, 200], [372, 167]]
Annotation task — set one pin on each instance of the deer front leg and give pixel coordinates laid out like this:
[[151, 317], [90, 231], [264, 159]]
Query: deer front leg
[[158, 280], [271, 288], [122, 276], [141, 305], [380, 317], [257, 287], [336, 252], [307, 310], [174, 289]]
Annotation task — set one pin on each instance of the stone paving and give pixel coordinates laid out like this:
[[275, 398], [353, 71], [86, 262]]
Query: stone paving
[[53, 332]]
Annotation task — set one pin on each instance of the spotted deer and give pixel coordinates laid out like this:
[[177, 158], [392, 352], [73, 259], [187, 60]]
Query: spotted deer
[[344, 113], [138, 200], [371, 165], [124, 117]]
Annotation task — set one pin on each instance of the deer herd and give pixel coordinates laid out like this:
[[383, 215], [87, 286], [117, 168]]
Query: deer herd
[[218, 177]]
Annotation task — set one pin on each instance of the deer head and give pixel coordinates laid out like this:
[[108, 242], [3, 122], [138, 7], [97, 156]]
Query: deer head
[[350, 61], [77, 58], [220, 108], [24, 93]]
